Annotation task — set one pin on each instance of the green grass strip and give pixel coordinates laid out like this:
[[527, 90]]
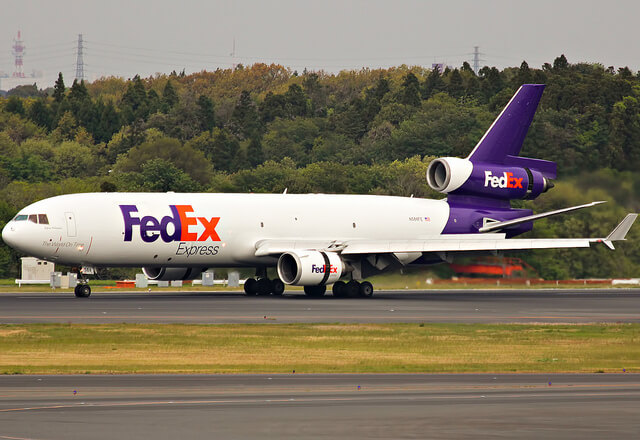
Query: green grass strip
[[318, 348]]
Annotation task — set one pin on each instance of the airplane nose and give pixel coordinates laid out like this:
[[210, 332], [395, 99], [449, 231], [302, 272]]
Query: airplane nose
[[7, 234]]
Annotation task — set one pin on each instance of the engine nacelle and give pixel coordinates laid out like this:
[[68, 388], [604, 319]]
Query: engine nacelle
[[452, 175], [172, 273], [448, 173], [310, 268]]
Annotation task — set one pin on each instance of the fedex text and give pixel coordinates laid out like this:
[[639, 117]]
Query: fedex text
[[505, 181], [170, 228]]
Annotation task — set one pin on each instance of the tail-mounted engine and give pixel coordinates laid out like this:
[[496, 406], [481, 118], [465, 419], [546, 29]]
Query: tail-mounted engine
[[452, 175], [310, 268]]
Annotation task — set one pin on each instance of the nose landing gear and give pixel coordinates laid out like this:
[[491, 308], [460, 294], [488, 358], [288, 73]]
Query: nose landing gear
[[82, 289]]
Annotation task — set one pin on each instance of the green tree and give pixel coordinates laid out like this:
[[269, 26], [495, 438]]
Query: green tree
[[560, 63], [109, 122], [455, 87], [169, 97], [296, 101], [289, 138], [40, 114], [273, 106], [205, 113], [160, 175], [244, 119], [14, 105], [433, 84], [189, 160], [410, 91], [625, 134], [224, 150], [59, 89], [255, 155], [135, 104]]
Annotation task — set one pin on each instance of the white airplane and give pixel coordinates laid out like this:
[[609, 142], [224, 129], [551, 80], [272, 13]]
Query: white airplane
[[314, 240]]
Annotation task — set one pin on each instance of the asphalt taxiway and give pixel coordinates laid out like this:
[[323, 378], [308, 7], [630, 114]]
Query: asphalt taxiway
[[467, 306], [321, 406]]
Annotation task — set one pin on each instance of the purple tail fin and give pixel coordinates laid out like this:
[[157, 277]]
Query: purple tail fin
[[501, 144]]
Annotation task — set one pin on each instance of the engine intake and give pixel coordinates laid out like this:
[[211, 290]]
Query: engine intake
[[448, 173], [172, 273], [310, 268]]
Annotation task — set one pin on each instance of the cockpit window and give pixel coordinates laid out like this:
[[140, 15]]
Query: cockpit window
[[35, 218]]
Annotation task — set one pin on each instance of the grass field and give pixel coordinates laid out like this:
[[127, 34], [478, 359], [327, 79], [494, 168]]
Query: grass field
[[318, 348]]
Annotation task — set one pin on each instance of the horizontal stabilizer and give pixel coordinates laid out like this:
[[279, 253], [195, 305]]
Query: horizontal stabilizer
[[620, 231], [496, 226]]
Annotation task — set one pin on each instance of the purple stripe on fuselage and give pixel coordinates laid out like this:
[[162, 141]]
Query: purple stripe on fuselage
[[468, 219]]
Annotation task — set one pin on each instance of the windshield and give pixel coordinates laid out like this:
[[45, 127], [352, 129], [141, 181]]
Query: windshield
[[35, 218]]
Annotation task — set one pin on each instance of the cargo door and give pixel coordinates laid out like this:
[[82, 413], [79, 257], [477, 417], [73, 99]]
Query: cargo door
[[71, 224]]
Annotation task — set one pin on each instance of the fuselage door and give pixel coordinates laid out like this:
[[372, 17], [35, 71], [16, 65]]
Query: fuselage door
[[71, 224]]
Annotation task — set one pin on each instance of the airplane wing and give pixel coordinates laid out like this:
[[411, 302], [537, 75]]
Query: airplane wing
[[442, 243]]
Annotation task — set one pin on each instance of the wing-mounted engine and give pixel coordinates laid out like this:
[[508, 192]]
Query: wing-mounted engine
[[462, 177], [172, 273], [310, 268]]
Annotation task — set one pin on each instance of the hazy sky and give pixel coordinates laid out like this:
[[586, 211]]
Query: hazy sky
[[125, 37]]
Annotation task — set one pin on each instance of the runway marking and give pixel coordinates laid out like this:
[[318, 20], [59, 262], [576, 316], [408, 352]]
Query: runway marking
[[92, 392], [15, 438], [595, 318], [479, 394]]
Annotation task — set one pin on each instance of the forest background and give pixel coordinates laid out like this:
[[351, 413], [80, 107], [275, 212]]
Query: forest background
[[264, 128]]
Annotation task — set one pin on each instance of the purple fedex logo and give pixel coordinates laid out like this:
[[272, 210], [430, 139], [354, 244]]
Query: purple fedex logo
[[323, 268], [151, 228]]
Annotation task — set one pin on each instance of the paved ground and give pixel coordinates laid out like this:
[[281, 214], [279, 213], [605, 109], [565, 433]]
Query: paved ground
[[320, 406], [563, 305]]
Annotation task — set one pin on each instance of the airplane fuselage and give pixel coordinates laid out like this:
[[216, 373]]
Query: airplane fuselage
[[210, 230]]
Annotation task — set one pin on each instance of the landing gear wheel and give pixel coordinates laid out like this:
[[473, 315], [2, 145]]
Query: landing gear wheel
[[277, 287], [352, 288], [366, 289], [315, 291], [263, 286], [338, 289], [82, 291], [250, 287]]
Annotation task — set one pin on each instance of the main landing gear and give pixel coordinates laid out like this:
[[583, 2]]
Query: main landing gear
[[263, 286], [352, 288]]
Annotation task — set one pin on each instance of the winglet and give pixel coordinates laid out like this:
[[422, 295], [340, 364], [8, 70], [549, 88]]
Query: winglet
[[620, 231]]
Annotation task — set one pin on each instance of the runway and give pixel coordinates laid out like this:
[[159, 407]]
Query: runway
[[320, 406], [468, 306]]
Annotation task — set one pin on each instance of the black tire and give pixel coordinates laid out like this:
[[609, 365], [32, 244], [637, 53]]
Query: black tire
[[315, 291], [250, 287], [352, 288], [277, 287], [82, 291], [366, 289], [338, 289], [263, 286]]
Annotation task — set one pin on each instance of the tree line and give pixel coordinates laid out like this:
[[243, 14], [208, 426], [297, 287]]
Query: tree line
[[264, 128]]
